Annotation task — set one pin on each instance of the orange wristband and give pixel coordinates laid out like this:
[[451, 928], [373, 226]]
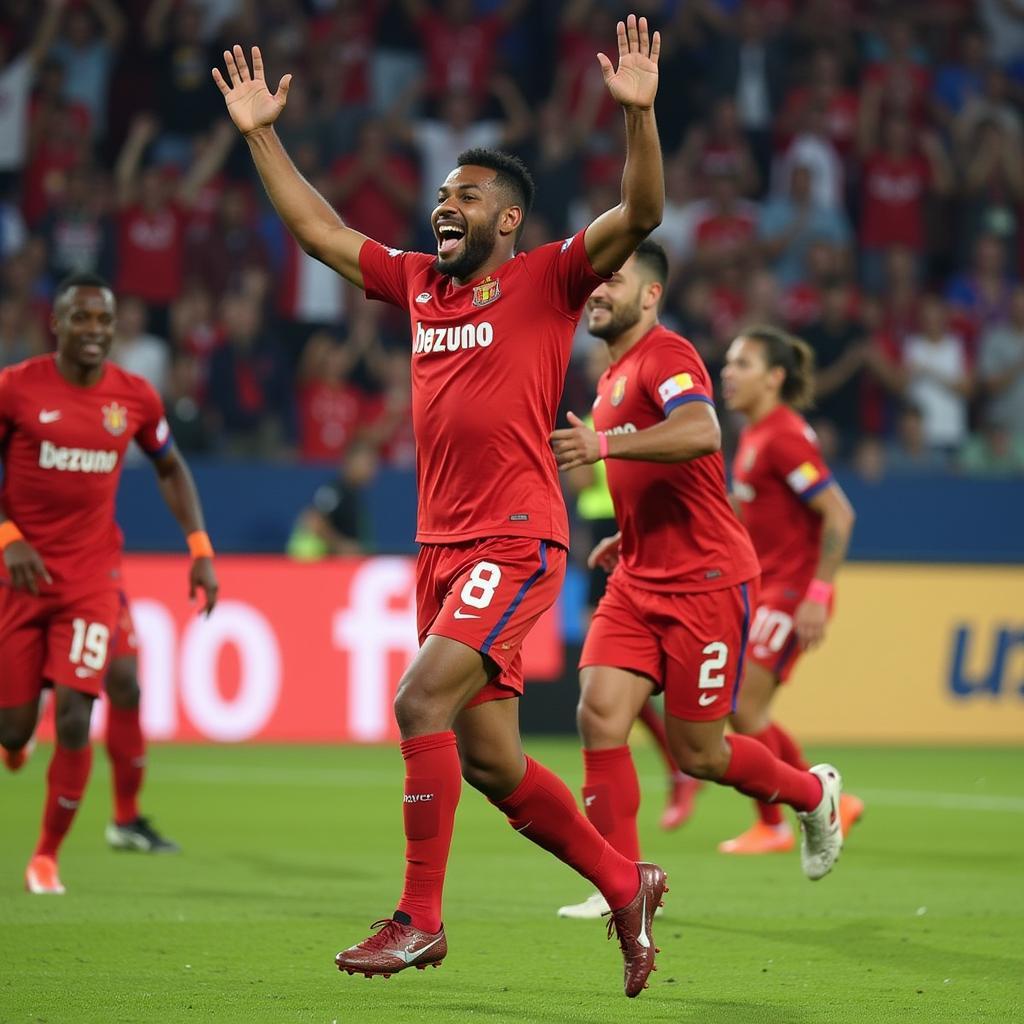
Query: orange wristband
[[199, 545], [9, 533]]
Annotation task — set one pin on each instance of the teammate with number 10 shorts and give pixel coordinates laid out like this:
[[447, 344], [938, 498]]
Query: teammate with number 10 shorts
[[676, 613], [491, 337], [800, 523]]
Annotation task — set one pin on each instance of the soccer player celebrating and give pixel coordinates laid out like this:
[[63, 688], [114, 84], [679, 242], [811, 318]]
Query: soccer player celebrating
[[66, 421], [676, 612], [800, 523], [491, 337]]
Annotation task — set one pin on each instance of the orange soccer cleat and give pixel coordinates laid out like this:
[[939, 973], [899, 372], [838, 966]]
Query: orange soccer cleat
[[680, 801], [760, 838], [41, 876], [851, 810]]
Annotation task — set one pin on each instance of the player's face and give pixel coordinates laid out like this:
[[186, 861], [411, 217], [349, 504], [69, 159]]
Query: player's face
[[83, 321], [465, 220], [746, 376], [616, 305]]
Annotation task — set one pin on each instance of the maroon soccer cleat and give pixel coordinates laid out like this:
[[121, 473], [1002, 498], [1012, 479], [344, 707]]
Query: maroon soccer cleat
[[394, 948], [633, 926]]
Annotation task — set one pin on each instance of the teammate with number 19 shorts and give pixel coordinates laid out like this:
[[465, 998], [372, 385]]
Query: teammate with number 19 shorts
[[676, 613], [800, 523]]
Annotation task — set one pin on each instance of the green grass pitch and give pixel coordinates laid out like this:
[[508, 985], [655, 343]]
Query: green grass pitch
[[291, 852]]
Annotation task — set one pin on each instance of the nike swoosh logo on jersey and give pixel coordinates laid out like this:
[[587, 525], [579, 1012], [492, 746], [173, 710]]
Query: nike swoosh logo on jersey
[[460, 614], [706, 699], [49, 415], [84, 673], [411, 958]]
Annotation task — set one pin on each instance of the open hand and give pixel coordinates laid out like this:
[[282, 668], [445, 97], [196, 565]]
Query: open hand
[[24, 566], [250, 103], [605, 553], [635, 82], [576, 445]]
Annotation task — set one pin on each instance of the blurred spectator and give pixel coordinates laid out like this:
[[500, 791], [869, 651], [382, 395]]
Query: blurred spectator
[[336, 523], [993, 451], [330, 406], [1004, 23], [12, 229], [135, 349], [840, 350], [993, 186], [17, 74], [749, 68], [375, 187], [909, 451], [220, 253], [151, 221], [791, 224], [939, 380], [980, 296], [185, 415], [20, 334], [898, 83], [960, 80], [395, 64], [248, 386], [556, 162], [181, 60], [1001, 369], [726, 226], [897, 182], [722, 149], [824, 97], [79, 235], [811, 146], [87, 48]]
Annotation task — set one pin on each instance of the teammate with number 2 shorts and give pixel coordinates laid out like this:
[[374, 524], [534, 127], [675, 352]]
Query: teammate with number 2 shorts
[[491, 336], [676, 613]]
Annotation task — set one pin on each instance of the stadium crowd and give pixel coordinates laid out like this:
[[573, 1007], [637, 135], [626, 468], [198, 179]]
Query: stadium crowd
[[850, 169]]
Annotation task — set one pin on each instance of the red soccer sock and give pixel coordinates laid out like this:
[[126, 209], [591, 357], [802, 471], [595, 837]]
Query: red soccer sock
[[433, 783], [127, 751], [770, 814], [65, 784], [656, 726], [755, 770], [611, 797], [788, 749], [542, 809]]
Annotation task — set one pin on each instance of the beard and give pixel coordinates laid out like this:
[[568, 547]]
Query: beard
[[620, 320], [478, 245]]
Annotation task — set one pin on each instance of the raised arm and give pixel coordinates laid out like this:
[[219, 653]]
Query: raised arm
[[614, 235], [313, 222]]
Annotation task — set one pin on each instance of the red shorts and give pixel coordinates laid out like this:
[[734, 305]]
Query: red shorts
[[126, 643], [773, 643], [689, 645], [62, 638], [487, 594]]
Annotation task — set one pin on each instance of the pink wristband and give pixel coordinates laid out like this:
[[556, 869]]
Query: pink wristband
[[602, 445], [819, 592]]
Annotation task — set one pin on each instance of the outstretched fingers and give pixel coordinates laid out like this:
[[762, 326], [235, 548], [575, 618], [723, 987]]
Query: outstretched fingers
[[257, 64], [218, 78], [620, 38], [229, 63], [655, 47], [632, 34], [243, 67]]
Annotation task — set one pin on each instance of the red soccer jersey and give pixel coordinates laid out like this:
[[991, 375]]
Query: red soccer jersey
[[62, 449], [488, 367], [777, 470], [679, 533]]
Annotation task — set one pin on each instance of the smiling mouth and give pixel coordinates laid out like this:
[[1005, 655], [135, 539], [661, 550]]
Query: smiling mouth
[[448, 238]]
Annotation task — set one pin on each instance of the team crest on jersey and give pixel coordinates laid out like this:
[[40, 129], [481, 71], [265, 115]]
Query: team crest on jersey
[[618, 390], [115, 418], [485, 293]]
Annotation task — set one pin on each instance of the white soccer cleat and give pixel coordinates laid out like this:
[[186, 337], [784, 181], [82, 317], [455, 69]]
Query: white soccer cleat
[[821, 834], [593, 907]]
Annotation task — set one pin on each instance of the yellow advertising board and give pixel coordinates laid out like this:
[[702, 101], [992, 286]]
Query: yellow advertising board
[[926, 654]]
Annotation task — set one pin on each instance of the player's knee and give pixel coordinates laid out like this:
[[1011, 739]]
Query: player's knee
[[72, 725], [599, 723], [749, 721], [14, 735], [417, 711], [122, 687], [702, 762]]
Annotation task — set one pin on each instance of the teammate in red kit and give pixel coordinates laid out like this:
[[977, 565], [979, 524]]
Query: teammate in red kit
[[491, 337], [65, 423], [676, 612], [800, 523]]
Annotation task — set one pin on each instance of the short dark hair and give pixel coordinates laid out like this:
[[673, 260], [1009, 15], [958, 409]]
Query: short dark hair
[[654, 259], [512, 176], [80, 279]]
